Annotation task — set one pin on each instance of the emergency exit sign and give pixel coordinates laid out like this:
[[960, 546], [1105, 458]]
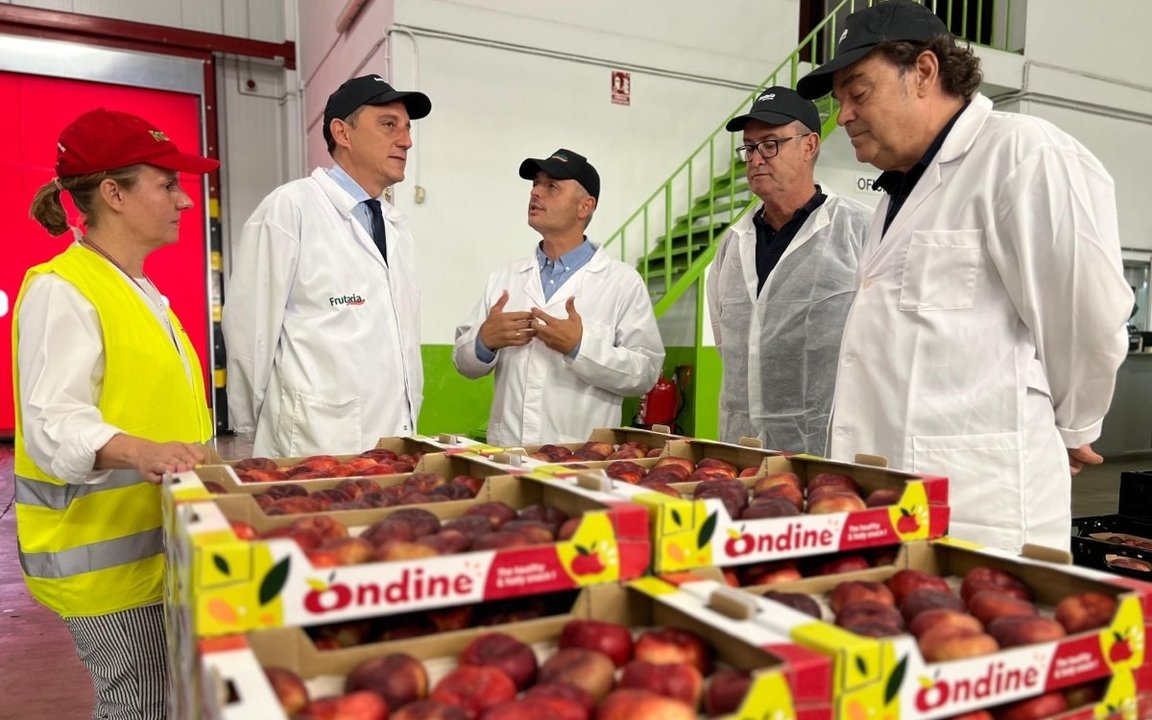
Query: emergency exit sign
[[621, 87]]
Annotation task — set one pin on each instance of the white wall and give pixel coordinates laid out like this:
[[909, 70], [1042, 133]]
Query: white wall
[[504, 87], [254, 19]]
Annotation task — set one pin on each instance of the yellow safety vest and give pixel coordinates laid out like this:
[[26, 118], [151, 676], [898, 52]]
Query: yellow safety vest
[[96, 549]]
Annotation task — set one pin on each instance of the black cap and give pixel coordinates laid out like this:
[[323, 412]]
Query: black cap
[[371, 90], [894, 20], [564, 165], [779, 105]]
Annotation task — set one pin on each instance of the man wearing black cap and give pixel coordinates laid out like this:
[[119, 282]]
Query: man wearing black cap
[[322, 314], [782, 282], [569, 331], [989, 322]]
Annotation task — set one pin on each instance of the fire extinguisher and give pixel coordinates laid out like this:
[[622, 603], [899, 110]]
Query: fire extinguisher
[[660, 405]]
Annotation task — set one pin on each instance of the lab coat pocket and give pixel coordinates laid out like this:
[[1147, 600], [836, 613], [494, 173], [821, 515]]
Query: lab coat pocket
[[940, 270], [983, 474], [320, 423]]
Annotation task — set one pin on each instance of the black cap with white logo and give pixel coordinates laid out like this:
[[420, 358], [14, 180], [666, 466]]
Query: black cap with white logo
[[890, 21], [564, 165], [371, 90], [778, 106]]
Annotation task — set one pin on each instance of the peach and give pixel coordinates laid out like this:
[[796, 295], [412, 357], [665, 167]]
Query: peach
[[952, 642], [496, 511], [397, 678], [343, 551], [905, 581], [674, 645], [535, 708], [564, 691], [403, 550], [504, 652], [684, 463], [379, 454], [612, 639], [837, 564], [783, 491], [767, 573], [306, 539], [1041, 706], [1086, 611], [405, 524], [856, 590], [625, 453], [256, 463], [835, 502], [589, 670], [734, 499], [353, 706], [725, 692], [680, 681], [774, 479], [630, 704], [987, 605], [660, 487], [923, 599], [718, 464], [446, 542], [475, 688], [428, 710], [536, 532], [502, 539], [834, 480], [242, 530], [451, 491], [325, 527], [797, 601], [870, 612], [471, 482], [298, 505], [769, 507], [668, 474], [987, 578], [625, 471], [472, 526], [569, 528], [1014, 630], [551, 516], [937, 617], [265, 476], [884, 496], [289, 689]]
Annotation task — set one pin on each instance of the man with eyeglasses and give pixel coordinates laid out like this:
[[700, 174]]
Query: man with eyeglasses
[[985, 336], [322, 312], [569, 330], [782, 281]]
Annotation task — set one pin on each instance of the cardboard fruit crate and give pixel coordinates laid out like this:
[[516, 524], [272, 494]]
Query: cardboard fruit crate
[[787, 681], [689, 533], [228, 585], [195, 484], [655, 439], [890, 675]]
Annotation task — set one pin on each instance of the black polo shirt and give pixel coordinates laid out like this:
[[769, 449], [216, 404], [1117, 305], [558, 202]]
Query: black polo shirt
[[771, 243], [899, 185]]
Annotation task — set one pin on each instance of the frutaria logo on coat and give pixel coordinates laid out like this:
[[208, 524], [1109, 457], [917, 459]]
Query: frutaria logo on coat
[[352, 299]]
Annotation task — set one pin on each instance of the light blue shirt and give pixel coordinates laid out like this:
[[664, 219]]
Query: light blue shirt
[[553, 274], [360, 211]]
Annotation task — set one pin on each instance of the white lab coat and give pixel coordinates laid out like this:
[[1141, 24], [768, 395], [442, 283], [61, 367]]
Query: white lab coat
[[543, 396], [780, 348], [322, 337], [988, 326]]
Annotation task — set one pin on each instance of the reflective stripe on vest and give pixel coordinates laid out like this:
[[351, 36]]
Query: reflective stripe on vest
[[37, 493], [94, 556]]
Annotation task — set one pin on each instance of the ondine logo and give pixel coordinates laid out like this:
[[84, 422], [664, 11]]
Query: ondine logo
[[352, 299]]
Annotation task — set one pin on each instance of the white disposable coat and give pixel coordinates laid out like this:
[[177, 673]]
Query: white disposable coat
[[988, 326], [322, 337], [543, 396], [780, 348]]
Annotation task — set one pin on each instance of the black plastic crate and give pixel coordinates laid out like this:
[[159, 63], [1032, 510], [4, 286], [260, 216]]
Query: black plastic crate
[[1134, 518]]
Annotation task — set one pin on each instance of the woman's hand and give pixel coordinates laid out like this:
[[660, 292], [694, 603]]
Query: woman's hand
[[150, 459]]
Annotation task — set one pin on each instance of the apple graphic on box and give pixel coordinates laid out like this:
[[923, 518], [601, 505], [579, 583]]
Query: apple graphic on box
[[587, 562], [1121, 649]]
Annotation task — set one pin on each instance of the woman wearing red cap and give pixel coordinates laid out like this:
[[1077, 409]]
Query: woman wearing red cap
[[110, 397]]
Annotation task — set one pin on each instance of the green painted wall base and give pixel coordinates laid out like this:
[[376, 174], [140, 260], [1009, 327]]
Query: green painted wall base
[[455, 404]]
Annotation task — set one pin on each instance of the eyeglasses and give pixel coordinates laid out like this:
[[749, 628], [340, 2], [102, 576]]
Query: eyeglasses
[[768, 149]]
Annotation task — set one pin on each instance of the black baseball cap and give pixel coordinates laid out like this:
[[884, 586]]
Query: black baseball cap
[[564, 165], [371, 90], [894, 20], [779, 105]]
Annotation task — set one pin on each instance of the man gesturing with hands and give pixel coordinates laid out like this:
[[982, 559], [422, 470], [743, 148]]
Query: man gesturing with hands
[[560, 372]]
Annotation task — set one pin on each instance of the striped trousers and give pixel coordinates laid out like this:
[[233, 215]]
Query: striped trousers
[[125, 654]]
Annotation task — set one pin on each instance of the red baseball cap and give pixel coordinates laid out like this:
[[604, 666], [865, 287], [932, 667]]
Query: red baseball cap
[[102, 140]]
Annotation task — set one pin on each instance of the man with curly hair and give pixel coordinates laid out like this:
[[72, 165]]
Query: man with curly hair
[[989, 318]]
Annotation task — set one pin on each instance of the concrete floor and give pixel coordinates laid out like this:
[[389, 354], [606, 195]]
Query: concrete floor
[[40, 676]]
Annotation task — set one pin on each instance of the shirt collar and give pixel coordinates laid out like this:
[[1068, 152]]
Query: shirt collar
[[341, 177], [577, 256], [808, 208], [890, 181]]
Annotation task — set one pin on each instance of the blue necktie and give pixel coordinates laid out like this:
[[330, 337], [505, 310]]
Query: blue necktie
[[378, 235]]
